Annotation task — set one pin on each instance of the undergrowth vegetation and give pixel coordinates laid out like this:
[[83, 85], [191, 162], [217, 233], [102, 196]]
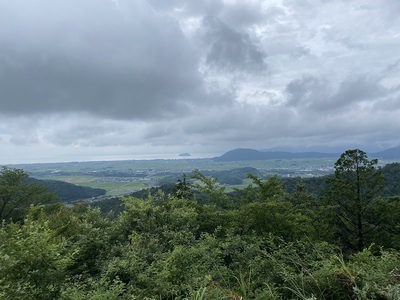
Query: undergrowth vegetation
[[200, 243]]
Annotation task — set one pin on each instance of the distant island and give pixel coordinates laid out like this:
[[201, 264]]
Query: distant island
[[185, 154], [242, 154]]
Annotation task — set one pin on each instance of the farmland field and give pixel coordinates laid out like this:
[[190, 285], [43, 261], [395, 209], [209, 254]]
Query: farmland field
[[121, 177]]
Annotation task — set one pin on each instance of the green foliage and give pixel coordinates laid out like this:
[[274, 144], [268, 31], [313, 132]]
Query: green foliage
[[370, 276], [176, 217], [16, 194], [277, 217], [353, 189], [391, 179], [232, 176], [109, 206], [272, 188], [33, 259], [315, 185], [265, 244], [384, 217], [215, 194], [68, 192], [78, 288], [183, 189]]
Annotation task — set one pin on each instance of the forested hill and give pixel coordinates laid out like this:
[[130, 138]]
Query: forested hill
[[251, 154], [197, 241], [392, 153], [68, 192], [315, 185]]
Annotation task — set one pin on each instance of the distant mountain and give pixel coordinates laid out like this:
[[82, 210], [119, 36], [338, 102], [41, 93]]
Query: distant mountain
[[185, 154], [392, 153], [251, 154]]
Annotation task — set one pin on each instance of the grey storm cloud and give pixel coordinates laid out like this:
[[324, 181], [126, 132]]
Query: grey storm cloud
[[124, 62], [231, 50], [317, 93], [121, 76]]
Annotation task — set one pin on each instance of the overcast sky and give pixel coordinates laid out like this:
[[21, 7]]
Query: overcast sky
[[129, 79]]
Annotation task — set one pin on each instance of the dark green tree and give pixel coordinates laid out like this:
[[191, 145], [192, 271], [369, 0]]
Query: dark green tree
[[183, 189], [33, 259], [211, 189], [17, 193], [272, 187], [354, 187]]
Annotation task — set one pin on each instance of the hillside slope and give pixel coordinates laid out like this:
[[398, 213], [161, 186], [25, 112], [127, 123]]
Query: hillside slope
[[251, 154], [243, 154], [68, 192]]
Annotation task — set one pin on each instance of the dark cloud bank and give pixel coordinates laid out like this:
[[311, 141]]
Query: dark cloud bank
[[128, 77]]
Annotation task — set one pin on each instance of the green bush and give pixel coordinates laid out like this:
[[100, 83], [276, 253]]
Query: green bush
[[33, 259]]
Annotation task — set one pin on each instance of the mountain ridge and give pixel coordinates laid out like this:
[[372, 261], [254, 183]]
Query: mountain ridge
[[247, 154]]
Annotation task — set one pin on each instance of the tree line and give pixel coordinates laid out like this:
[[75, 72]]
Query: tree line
[[199, 242]]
